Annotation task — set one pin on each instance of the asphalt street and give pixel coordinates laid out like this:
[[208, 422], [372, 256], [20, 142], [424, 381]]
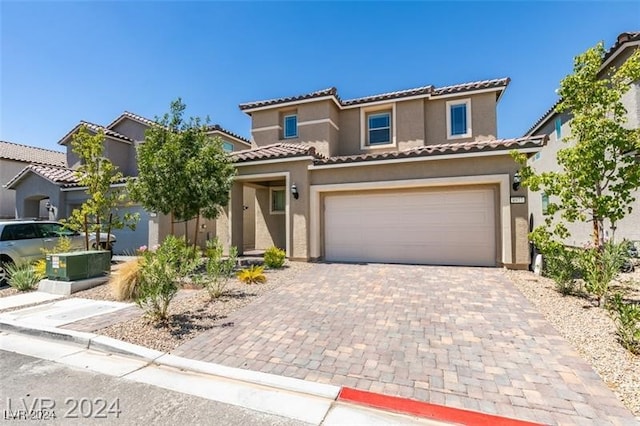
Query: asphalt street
[[49, 393]]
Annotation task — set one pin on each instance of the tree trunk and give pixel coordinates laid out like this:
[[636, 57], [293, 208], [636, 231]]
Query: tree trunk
[[108, 242], [186, 232], [171, 218], [195, 232], [86, 233], [97, 244]]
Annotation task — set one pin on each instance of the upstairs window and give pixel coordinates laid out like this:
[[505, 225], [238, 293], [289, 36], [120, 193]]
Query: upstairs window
[[227, 146], [558, 128], [459, 119], [379, 128], [290, 126], [545, 203]]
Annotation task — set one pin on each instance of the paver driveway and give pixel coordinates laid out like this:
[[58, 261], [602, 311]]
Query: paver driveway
[[463, 337]]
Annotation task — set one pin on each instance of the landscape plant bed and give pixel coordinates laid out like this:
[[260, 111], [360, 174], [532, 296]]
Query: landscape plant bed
[[590, 330], [192, 311]]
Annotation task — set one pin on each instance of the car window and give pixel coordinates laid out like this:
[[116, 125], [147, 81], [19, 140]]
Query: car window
[[54, 230], [19, 231]]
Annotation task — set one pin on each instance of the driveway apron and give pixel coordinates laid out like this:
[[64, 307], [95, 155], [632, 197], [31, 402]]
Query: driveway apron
[[460, 337]]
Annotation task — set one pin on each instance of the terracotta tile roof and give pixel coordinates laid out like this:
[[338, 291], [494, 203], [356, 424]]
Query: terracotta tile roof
[[95, 128], [418, 91], [31, 154], [61, 176], [475, 85], [219, 128], [331, 91], [424, 90], [622, 39], [441, 149], [275, 151], [132, 116]]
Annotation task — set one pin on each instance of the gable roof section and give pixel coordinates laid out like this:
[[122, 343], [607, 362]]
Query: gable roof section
[[494, 145], [61, 176], [425, 91], [95, 128], [622, 42], [275, 151], [218, 128], [31, 154], [131, 116]]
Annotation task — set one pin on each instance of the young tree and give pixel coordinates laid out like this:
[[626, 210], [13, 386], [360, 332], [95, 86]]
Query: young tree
[[97, 174], [182, 171], [599, 169]]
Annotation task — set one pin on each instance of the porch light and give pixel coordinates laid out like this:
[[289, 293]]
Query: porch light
[[294, 191], [48, 206], [516, 181]]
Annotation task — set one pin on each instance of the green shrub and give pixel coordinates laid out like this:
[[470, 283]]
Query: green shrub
[[601, 266], [252, 275], [23, 276], [274, 257], [561, 265], [159, 273], [218, 269], [627, 318]]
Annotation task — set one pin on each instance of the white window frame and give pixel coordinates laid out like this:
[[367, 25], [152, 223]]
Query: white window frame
[[467, 103], [227, 143], [364, 125], [284, 126], [271, 191]]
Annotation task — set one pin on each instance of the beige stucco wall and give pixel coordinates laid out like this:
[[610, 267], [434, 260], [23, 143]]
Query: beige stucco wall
[[483, 118]]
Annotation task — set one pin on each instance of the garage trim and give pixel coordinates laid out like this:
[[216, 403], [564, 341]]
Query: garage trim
[[501, 179]]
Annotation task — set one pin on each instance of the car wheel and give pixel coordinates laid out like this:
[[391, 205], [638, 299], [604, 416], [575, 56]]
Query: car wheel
[[4, 274]]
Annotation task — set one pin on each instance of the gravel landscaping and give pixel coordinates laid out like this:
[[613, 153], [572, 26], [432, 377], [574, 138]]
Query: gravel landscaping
[[590, 330], [192, 311]]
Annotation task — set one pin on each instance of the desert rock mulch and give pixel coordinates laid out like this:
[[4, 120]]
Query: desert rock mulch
[[590, 330]]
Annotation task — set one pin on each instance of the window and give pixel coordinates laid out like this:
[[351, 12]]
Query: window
[[290, 126], [459, 119], [545, 203], [23, 231], [537, 156], [54, 230], [278, 201], [227, 146], [379, 128], [558, 128]]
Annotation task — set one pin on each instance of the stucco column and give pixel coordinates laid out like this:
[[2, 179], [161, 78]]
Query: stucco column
[[236, 216], [299, 212]]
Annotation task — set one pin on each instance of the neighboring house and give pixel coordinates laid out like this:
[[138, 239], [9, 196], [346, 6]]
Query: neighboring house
[[59, 185], [15, 157], [557, 127], [415, 176]]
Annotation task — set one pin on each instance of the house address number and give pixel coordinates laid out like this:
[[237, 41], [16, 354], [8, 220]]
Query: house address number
[[518, 200]]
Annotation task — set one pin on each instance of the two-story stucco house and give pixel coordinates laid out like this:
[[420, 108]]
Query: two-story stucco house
[[14, 158], [58, 184], [414, 176], [557, 127]]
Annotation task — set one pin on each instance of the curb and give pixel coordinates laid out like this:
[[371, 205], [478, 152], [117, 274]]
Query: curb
[[342, 394]]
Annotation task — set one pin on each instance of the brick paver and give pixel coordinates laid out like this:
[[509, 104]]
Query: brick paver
[[463, 337]]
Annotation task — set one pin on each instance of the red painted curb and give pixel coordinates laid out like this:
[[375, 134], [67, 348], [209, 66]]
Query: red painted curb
[[425, 409]]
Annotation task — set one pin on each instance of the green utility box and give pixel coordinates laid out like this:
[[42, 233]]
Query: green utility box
[[78, 265]]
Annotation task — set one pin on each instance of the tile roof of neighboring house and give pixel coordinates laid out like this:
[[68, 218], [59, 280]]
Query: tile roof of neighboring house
[[61, 176], [442, 149], [96, 128], [621, 40], [132, 116], [31, 154], [418, 91], [219, 128], [275, 151]]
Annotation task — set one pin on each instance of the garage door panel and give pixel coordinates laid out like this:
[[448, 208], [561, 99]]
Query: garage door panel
[[428, 227]]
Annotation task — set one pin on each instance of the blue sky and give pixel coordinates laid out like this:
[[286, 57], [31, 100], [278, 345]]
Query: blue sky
[[62, 62]]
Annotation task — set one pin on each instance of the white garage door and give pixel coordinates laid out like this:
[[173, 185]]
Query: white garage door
[[454, 227]]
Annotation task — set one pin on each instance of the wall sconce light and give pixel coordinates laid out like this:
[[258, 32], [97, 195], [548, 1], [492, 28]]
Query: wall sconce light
[[48, 206], [516, 181], [294, 191]]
